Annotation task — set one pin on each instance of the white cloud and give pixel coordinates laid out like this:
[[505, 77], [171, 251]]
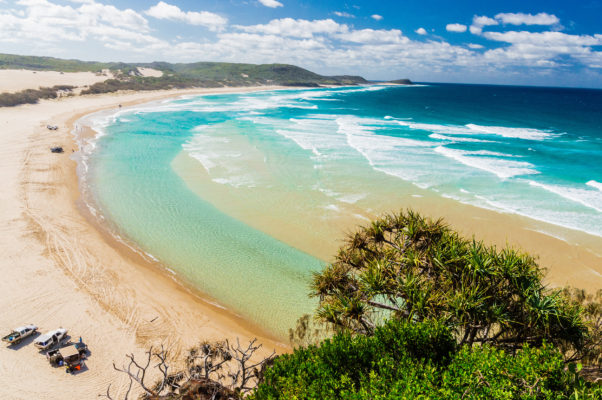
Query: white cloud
[[527, 19], [296, 27], [545, 39], [271, 3], [377, 17], [162, 10], [543, 49], [373, 36], [343, 14], [42, 26], [41, 21], [478, 22], [455, 28], [420, 31]]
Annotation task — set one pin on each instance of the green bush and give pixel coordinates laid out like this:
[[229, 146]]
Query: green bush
[[409, 267], [419, 360], [31, 96]]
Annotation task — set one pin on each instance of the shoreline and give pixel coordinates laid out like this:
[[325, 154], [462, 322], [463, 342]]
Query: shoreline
[[555, 247], [129, 248], [59, 270], [120, 302]]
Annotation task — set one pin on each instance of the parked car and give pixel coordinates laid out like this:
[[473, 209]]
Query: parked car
[[18, 334], [50, 339], [67, 355]]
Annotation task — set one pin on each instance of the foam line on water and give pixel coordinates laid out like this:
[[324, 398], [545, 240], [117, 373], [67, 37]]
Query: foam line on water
[[251, 102], [515, 133], [383, 152], [220, 157], [594, 184], [458, 139], [489, 161], [587, 197], [473, 129]]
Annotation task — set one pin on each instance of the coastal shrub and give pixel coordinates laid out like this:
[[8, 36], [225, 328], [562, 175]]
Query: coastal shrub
[[148, 83], [590, 353], [405, 360], [31, 96], [408, 267]]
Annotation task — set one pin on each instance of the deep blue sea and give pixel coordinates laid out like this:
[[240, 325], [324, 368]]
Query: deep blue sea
[[216, 187]]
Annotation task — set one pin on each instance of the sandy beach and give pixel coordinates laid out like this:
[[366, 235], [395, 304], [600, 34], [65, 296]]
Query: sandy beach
[[61, 271]]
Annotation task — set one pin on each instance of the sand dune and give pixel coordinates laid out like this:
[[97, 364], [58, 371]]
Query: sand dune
[[150, 72], [13, 80]]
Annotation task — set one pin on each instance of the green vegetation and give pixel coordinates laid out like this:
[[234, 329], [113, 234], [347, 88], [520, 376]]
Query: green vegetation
[[149, 83], [420, 360], [31, 96], [177, 76], [251, 74], [11, 61], [407, 267], [402, 82], [423, 313], [411, 310], [208, 74]]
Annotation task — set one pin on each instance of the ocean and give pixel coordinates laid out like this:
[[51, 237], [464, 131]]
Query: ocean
[[237, 193]]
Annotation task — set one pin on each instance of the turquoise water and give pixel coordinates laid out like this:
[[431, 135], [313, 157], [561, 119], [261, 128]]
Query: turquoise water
[[536, 152]]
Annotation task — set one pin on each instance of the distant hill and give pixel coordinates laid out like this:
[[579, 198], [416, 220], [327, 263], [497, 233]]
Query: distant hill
[[201, 74], [402, 82]]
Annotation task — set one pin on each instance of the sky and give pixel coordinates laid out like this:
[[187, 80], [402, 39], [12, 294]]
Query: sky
[[550, 43]]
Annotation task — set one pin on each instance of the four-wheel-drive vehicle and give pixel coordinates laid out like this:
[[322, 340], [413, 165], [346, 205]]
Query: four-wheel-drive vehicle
[[69, 356], [73, 358], [50, 339], [17, 335]]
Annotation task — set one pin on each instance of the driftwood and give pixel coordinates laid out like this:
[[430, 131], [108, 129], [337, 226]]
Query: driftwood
[[214, 371]]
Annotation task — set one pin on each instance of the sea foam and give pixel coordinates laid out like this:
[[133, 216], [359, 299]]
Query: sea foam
[[595, 184], [587, 197], [489, 161], [473, 129]]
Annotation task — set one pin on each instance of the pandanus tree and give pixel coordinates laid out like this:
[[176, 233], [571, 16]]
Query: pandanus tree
[[413, 268]]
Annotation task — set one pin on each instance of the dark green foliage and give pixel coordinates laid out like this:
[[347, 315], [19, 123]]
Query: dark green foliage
[[148, 83], [408, 267], [344, 361], [201, 74], [590, 352], [419, 360], [402, 82], [12, 61], [250, 74], [31, 96]]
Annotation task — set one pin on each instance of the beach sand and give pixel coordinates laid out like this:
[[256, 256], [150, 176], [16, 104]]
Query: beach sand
[[60, 270]]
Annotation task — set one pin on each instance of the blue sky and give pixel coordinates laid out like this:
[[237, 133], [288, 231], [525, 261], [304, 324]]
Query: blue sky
[[552, 42]]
